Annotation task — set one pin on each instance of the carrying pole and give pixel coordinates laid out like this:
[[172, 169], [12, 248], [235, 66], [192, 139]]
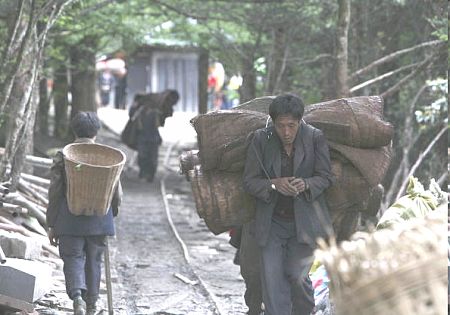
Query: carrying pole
[[108, 279]]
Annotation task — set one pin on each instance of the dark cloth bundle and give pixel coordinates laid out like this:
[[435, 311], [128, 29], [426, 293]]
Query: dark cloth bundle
[[159, 104]]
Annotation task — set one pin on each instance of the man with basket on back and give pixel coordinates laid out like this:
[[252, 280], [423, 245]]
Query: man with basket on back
[[81, 238]]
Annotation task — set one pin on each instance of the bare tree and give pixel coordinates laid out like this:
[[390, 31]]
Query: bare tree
[[343, 23], [277, 58], [21, 60]]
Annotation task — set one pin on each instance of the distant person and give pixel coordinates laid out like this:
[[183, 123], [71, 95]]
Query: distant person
[[218, 100], [120, 89], [81, 239], [149, 112], [105, 82], [287, 170]]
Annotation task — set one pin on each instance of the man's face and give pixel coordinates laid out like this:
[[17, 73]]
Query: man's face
[[286, 127]]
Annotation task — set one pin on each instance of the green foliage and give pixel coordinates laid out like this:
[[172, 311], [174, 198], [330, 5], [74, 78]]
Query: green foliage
[[417, 203], [120, 25], [434, 111]]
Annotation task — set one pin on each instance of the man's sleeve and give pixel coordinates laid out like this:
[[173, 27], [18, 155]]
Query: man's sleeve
[[322, 177], [56, 190], [255, 182]]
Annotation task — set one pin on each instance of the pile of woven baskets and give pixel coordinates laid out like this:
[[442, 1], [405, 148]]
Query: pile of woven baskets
[[359, 141], [396, 271]]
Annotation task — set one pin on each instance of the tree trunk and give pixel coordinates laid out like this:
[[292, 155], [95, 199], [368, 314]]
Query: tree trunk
[[20, 62], [342, 89], [277, 59], [27, 144], [203, 81], [23, 113], [60, 102], [83, 76], [247, 91], [43, 107]]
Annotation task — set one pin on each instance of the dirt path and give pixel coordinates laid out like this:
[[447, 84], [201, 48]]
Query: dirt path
[[145, 254]]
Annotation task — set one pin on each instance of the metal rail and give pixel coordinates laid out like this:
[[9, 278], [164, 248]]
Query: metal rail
[[204, 286]]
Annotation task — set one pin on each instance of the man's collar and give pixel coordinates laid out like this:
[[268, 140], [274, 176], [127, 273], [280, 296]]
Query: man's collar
[[84, 140]]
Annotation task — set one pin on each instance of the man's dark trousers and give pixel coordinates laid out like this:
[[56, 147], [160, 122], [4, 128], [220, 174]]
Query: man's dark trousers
[[147, 159], [75, 251], [285, 264]]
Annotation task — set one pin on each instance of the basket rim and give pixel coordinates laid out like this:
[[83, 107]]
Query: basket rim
[[67, 147], [422, 265]]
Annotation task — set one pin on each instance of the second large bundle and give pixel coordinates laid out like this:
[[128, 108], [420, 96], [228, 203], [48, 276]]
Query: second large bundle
[[220, 200], [355, 121]]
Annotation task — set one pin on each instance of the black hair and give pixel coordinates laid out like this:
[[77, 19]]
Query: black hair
[[287, 104], [172, 97], [85, 124]]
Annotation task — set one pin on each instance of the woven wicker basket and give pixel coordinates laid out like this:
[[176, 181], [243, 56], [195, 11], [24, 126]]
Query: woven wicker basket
[[400, 271], [221, 136], [220, 199], [92, 172]]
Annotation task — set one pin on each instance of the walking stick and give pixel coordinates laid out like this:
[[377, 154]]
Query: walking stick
[[2, 256], [108, 279]]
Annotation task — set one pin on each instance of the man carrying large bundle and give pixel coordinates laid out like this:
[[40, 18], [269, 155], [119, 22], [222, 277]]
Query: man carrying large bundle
[[147, 114], [287, 170], [81, 238]]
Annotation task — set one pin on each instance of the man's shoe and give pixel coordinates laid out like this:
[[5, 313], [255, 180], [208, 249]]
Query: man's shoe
[[79, 306], [91, 309]]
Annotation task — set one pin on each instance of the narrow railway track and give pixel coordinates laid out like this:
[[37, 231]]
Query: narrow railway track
[[164, 259], [204, 287]]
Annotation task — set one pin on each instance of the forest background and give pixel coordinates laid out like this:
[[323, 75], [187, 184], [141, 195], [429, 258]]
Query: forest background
[[321, 50]]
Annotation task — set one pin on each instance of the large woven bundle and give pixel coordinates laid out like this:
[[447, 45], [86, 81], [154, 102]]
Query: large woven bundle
[[399, 271], [371, 163], [345, 198], [220, 199], [259, 104], [223, 138], [222, 134], [92, 172], [356, 121], [350, 188]]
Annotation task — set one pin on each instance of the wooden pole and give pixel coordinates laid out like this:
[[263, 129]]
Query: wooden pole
[[11, 208], [108, 278], [8, 225], [36, 180], [27, 189], [32, 208]]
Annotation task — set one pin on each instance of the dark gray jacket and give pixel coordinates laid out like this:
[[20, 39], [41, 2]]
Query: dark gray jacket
[[311, 162]]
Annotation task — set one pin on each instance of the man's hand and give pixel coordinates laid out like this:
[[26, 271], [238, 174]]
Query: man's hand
[[52, 237], [284, 186], [299, 184]]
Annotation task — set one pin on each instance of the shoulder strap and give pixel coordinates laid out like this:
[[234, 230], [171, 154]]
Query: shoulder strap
[[257, 154]]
